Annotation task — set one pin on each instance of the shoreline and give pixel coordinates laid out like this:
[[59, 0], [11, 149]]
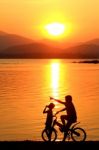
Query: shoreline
[[91, 61], [46, 145]]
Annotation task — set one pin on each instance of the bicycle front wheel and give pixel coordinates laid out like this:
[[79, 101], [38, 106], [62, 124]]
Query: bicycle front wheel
[[78, 134], [49, 135]]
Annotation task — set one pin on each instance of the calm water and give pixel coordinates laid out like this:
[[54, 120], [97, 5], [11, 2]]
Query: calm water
[[25, 87]]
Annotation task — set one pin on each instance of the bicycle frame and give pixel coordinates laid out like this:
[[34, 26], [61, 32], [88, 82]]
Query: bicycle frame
[[74, 125], [55, 122], [74, 132], [71, 129]]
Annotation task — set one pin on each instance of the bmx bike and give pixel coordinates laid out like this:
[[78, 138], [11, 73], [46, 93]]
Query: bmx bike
[[75, 133]]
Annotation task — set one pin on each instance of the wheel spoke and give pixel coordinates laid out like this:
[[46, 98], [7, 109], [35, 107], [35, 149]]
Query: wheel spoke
[[49, 135], [78, 134]]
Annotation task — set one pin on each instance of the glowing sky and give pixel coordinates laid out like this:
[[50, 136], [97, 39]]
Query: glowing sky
[[27, 17]]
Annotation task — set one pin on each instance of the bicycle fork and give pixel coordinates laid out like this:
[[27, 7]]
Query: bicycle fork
[[57, 123]]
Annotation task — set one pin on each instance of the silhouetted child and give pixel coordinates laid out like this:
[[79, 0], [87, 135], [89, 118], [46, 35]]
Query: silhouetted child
[[71, 115], [49, 118]]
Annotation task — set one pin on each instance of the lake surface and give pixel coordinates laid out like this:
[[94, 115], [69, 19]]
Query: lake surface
[[25, 87]]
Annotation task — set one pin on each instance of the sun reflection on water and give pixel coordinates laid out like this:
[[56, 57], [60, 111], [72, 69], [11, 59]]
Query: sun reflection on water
[[55, 75]]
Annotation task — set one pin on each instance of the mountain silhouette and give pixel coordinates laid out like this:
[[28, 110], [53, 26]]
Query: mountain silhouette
[[38, 50], [93, 41], [14, 46], [33, 50], [8, 40]]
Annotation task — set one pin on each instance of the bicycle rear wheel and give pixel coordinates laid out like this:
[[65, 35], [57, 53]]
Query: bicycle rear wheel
[[49, 135], [78, 134]]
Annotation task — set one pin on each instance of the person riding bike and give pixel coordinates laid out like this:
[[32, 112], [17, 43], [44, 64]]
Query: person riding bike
[[71, 116]]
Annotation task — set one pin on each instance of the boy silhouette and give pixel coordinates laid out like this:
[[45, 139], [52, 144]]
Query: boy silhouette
[[49, 118], [71, 115]]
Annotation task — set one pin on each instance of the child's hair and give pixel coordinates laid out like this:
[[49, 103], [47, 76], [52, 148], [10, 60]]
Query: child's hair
[[51, 105]]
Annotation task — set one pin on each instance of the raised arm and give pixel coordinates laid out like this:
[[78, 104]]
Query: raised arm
[[45, 111], [59, 101], [61, 110]]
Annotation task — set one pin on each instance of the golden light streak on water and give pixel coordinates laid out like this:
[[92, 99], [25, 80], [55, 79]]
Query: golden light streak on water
[[55, 74]]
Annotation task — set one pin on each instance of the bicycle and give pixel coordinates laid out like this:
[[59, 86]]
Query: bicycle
[[75, 133]]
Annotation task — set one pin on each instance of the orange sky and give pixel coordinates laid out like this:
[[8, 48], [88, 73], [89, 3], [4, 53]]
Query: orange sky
[[28, 17]]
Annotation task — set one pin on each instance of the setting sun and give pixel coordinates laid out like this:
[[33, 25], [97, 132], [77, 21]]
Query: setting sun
[[55, 29]]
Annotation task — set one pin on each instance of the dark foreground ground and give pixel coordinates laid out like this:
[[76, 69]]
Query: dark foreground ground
[[35, 145]]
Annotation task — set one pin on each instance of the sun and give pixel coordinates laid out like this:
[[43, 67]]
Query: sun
[[55, 29]]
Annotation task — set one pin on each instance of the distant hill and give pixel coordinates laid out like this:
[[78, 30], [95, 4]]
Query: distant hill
[[3, 33], [38, 50], [33, 50], [93, 41], [8, 40], [83, 51], [58, 43], [14, 46]]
